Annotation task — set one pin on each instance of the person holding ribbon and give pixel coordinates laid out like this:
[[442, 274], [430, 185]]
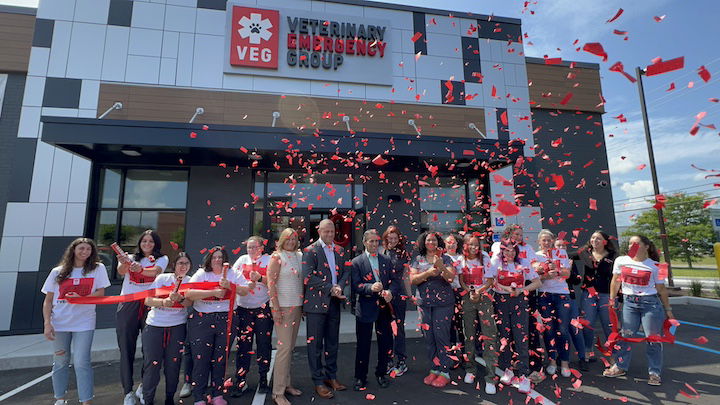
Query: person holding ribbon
[[79, 274], [454, 250], [164, 335], [478, 312], [374, 285], [209, 328], [393, 245], [432, 273], [577, 323], [285, 287], [510, 273], [253, 316], [139, 271], [645, 303], [553, 266]]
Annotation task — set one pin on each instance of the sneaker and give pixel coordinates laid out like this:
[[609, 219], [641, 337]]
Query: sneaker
[[238, 389], [186, 390], [490, 388], [469, 378], [130, 399], [60, 402], [218, 400], [524, 385], [401, 368], [551, 369], [139, 394], [430, 378], [507, 377], [263, 386], [654, 380], [536, 377], [565, 372], [441, 381]]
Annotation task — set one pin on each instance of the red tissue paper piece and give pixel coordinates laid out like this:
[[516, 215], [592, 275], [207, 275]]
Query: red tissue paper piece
[[593, 204], [633, 250], [662, 271], [661, 67], [416, 36], [618, 67], [617, 15], [701, 340], [658, 19], [704, 74], [379, 161], [507, 208], [596, 48], [566, 99]]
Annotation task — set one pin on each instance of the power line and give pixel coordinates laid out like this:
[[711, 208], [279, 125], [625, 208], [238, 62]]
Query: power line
[[674, 191], [666, 205]]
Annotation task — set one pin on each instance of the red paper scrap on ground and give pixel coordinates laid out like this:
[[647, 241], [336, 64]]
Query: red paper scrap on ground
[[661, 67]]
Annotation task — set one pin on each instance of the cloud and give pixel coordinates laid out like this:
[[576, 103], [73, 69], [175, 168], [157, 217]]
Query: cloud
[[618, 165], [639, 188]]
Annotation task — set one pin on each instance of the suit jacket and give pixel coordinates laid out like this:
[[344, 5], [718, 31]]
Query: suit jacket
[[366, 302], [318, 279]]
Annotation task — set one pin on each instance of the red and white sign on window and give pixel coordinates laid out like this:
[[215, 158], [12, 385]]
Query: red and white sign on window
[[255, 37]]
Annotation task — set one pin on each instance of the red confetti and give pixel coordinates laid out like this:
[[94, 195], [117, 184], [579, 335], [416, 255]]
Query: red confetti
[[658, 19], [617, 15], [507, 208], [701, 340], [672, 87], [704, 74], [710, 203], [379, 161], [553, 61], [641, 166], [174, 245], [633, 250], [662, 271], [618, 67], [370, 397], [596, 49], [503, 117], [416, 36], [593, 204], [618, 32], [661, 67], [577, 383], [566, 99]]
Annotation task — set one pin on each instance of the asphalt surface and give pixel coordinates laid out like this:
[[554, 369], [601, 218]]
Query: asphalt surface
[[698, 368]]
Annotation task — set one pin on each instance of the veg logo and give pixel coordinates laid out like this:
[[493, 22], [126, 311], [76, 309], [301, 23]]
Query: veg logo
[[254, 37]]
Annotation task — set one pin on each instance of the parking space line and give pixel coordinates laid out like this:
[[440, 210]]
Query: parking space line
[[705, 349], [259, 399], [25, 386], [699, 325]]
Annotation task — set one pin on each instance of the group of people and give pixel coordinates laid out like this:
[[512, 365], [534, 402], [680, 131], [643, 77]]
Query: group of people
[[478, 310]]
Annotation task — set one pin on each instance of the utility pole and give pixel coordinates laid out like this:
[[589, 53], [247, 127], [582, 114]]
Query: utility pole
[[651, 156]]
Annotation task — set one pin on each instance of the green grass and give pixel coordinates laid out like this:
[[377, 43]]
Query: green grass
[[703, 261], [684, 272]]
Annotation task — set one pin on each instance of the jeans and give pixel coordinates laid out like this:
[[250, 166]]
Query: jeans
[[591, 307], [556, 307], [576, 335], [81, 343], [648, 311]]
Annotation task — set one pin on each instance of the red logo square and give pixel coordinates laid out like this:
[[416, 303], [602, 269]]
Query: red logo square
[[254, 37]]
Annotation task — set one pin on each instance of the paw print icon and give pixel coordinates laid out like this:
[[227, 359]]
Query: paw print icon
[[256, 28]]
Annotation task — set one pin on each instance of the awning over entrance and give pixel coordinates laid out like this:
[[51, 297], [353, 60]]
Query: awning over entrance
[[167, 143]]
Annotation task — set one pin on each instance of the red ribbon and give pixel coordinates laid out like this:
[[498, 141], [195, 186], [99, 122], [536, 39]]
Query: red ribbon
[[615, 336]]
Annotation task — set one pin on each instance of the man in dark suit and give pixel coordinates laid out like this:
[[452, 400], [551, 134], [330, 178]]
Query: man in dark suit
[[325, 276], [374, 284]]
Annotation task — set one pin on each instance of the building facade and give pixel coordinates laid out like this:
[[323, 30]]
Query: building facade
[[211, 120]]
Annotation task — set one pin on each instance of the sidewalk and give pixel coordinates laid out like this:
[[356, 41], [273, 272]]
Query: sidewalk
[[707, 284], [29, 351]]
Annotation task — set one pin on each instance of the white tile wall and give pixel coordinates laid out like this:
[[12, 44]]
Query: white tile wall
[[180, 19], [498, 49], [56, 9], [435, 67], [317, 5], [403, 39], [25, 219], [89, 93], [239, 82], [29, 122], [87, 113], [7, 298], [382, 93], [211, 22], [170, 44], [86, 51], [208, 61], [168, 68], [34, 90], [42, 172], [60, 112], [148, 15], [116, 50], [30, 256], [516, 56], [55, 220], [10, 254], [444, 45], [351, 90], [429, 91], [521, 75], [442, 24], [185, 59], [397, 19], [520, 93], [492, 76], [186, 3], [346, 9], [75, 219], [406, 89], [485, 50], [60, 48], [403, 64], [39, 58], [465, 30], [60, 180], [477, 91], [79, 180], [145, 42], [323, 89], [491, 130], [92, 11], [143, 69]]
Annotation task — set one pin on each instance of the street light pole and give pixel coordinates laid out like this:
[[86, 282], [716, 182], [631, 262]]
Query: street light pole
[[653, 171]]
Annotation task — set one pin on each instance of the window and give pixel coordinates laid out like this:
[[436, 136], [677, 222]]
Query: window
[[451, 204], [3, 82], [133, 200]]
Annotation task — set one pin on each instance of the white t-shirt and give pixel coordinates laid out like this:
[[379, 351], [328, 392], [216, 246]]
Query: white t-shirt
[[137, 282], [164, 317], [213, 304], [457, 265], [474, 272], [67, 317], [259, 296], [555, 285], [510, 273], [526, 253], [638, 278]]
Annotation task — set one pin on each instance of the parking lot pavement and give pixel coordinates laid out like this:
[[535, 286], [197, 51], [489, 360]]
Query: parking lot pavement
[[688, 361]]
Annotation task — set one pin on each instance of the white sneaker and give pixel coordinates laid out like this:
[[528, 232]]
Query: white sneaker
[[130, 399], [524, 385], [139, 394], [551, 369], [490, 388], [186, 390], [507, 377], [60, 402], [565, 372], [469, 378]]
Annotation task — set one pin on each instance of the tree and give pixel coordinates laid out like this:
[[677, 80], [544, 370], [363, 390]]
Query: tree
[[690, 233]]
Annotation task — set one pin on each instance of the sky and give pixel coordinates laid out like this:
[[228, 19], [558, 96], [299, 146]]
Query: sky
[[686, 28]]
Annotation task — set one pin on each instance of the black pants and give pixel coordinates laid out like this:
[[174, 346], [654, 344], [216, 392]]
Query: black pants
[[457, 335], [162, 347], [323, 334], [130, 321], [534, 340], [399, 305], [363, 332], [207, 344], [253, 323], [187, 362]]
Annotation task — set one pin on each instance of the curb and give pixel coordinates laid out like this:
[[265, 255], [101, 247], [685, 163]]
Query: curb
[[706, 302]]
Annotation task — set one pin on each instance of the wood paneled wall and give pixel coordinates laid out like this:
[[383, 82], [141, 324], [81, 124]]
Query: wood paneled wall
[[296, 112], [550, 84], [16, 34]]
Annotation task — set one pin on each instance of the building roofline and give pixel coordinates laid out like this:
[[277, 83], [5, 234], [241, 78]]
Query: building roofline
[[565, 63], [4, 8]]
